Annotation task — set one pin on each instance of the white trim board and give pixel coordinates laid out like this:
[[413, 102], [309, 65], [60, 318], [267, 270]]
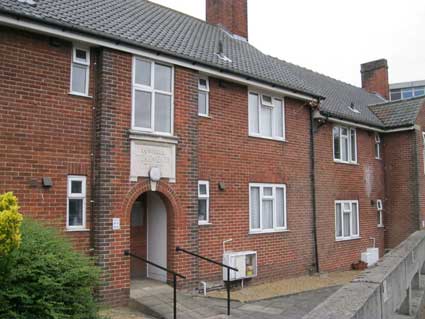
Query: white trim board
[[92, 40]]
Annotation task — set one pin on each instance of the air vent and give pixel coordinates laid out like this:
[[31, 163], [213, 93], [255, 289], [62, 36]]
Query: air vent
[[352, 107]]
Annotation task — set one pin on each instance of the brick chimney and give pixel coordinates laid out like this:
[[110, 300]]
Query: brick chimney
[[231, 14], [375, 77]]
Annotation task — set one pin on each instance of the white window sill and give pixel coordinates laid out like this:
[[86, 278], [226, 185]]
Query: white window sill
[[277, 139], [269, 231], [71, 230], [204, 223], [347, 239], [347, 163], [378, 158], [204, 115], [381, 226], [80, 95]]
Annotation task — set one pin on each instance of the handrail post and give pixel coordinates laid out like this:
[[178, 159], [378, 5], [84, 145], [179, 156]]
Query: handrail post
[[228, 291], [175, 295]]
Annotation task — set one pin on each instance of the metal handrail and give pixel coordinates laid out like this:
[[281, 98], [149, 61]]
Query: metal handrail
[[217, 263], [175, 275]]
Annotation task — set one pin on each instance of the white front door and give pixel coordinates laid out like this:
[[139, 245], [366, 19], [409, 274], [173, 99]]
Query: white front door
[[157, 236]]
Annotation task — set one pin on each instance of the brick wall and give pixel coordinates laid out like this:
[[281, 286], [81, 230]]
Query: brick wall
[[44, 130], [401, 216], [335, 181], [227, 154]]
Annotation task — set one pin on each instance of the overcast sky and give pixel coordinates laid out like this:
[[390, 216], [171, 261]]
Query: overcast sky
[[335, 36]]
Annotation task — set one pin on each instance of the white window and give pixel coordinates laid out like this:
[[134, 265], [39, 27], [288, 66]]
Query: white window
[[76, 205], [203, 202], [203, 96], [377, 146], [266, 116], [380, 209], [80, 67], [345, 144], [346, 219], [152, 97], [267, 208]]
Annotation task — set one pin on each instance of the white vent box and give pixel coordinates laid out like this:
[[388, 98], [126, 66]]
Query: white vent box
[[244, 261], [371, 256]]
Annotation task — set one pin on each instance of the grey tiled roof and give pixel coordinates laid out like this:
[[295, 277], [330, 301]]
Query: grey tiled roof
[[151, 26], [398, 113]]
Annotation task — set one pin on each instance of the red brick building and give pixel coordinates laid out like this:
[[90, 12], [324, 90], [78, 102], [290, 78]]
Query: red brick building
[[131, 126]]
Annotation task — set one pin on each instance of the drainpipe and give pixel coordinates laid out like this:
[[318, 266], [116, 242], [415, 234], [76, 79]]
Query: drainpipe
[[93, 155], [313, 190]]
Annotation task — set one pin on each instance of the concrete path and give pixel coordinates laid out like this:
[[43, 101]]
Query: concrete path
[[155, 299]]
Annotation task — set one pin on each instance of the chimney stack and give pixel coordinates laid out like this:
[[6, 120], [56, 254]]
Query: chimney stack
[[375, 77], [231, 14]]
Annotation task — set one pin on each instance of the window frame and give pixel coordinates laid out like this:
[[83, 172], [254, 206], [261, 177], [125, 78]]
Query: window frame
[[79, 62], [260, 98], [82, 195], [207, 92], [151, 89], [378, 143], [351, 237], [349, 144], [204, 197], [275, 228], [380, 209]]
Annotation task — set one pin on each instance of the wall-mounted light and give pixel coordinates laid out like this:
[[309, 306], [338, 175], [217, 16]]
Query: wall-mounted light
[[47, 182], [221, 186]]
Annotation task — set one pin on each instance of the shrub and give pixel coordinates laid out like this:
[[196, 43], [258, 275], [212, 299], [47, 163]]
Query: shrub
[[46, 279], [10, 223]]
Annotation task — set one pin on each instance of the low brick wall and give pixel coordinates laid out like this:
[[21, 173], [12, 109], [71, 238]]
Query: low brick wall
[[393, 287]]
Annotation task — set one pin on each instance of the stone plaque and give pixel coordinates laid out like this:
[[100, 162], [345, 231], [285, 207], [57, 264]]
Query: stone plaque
[[146, 154]]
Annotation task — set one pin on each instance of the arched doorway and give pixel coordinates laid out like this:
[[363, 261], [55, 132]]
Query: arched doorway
[[148, 236]]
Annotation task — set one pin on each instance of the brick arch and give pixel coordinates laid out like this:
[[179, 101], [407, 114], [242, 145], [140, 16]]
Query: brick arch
[[169, 197], [166, 191]]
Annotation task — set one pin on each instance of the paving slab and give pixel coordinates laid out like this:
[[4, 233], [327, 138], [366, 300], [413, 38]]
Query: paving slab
[[160, 303]]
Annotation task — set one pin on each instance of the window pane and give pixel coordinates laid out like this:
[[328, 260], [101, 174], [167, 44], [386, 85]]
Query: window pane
[[420, 91], [253, 113], [202, 102], [267, 214], [255, 207], [354, 219], [143, 72], [353, 145], [75, 212], [163, 113], [202, 189], [266, 121], [338, 221], [76, 187], [278, 118], [142, 109], [379, 217], [267, 191], [81, 54], [162, 77], [203, 84], [344, 149], [337, 149], [280, 206], [79, 77], [395, 95], [346, 223], [406, 94], [202, 209]]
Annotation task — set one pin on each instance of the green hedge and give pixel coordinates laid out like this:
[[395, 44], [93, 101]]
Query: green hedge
[[46, 279]]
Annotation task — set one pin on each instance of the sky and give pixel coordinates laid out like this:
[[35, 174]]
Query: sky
[[334, 37]]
